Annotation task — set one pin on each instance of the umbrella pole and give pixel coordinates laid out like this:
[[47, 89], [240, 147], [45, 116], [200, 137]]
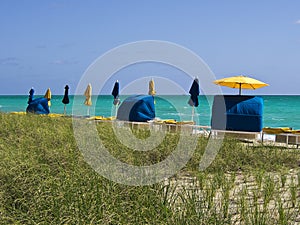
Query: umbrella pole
[[116, 111], [240, 91], [65, 109], [193, 112], [88, 111]]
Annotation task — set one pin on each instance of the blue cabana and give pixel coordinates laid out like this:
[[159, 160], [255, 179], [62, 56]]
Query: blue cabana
[[237, 113], [38, 106], [138, 108]]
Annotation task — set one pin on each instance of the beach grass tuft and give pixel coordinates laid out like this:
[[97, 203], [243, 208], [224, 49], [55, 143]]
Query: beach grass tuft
[[44, 179]]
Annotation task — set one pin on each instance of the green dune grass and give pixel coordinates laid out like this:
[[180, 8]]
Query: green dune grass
[[44, 179]]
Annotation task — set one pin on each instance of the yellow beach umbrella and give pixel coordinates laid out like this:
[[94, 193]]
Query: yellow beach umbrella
[[151, 88], [48, 96], [88, 95], [241, 82]]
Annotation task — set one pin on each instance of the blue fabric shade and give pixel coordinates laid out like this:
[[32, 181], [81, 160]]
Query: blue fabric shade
[[138, 108], [38, 106], [237, 113]]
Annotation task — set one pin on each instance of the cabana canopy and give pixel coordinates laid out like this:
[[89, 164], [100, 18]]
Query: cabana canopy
[[38, 106], [138, 108], [237, 113]]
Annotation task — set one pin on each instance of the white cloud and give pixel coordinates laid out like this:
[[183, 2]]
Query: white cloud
[[63, 62], [65, 45], [163, 86], [41, 46], [12, 61], [298, 22]]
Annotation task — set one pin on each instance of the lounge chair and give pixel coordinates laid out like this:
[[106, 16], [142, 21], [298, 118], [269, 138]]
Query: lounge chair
[[284, 135]]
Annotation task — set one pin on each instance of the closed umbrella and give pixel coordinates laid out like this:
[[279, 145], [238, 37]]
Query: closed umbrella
[[88, 97], [151, 88], [241, 82], [30, 98], [115, 93], [48, 96], [66, 98], [194, 92]]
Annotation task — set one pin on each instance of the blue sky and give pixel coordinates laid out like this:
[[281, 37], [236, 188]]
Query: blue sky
[[51, 43]]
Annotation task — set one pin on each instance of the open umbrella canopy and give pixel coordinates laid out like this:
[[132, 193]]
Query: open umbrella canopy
[[66, 96], [48, 96], [194, 92], [240, 82], [151, 88], [88, 95]]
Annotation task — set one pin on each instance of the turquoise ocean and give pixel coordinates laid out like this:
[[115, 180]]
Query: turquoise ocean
[[279, 110]]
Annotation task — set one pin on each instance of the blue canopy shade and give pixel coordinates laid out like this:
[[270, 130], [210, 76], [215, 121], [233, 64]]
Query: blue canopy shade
[[138, 108], [38, 106], [237, 113]]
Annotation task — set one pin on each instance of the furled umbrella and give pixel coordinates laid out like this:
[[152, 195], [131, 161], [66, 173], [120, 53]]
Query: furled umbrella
[[30, 97], [194, 92], [152, 88], [48, 96], [66, 98], [241, 82], [115, 93], [88, 98]]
